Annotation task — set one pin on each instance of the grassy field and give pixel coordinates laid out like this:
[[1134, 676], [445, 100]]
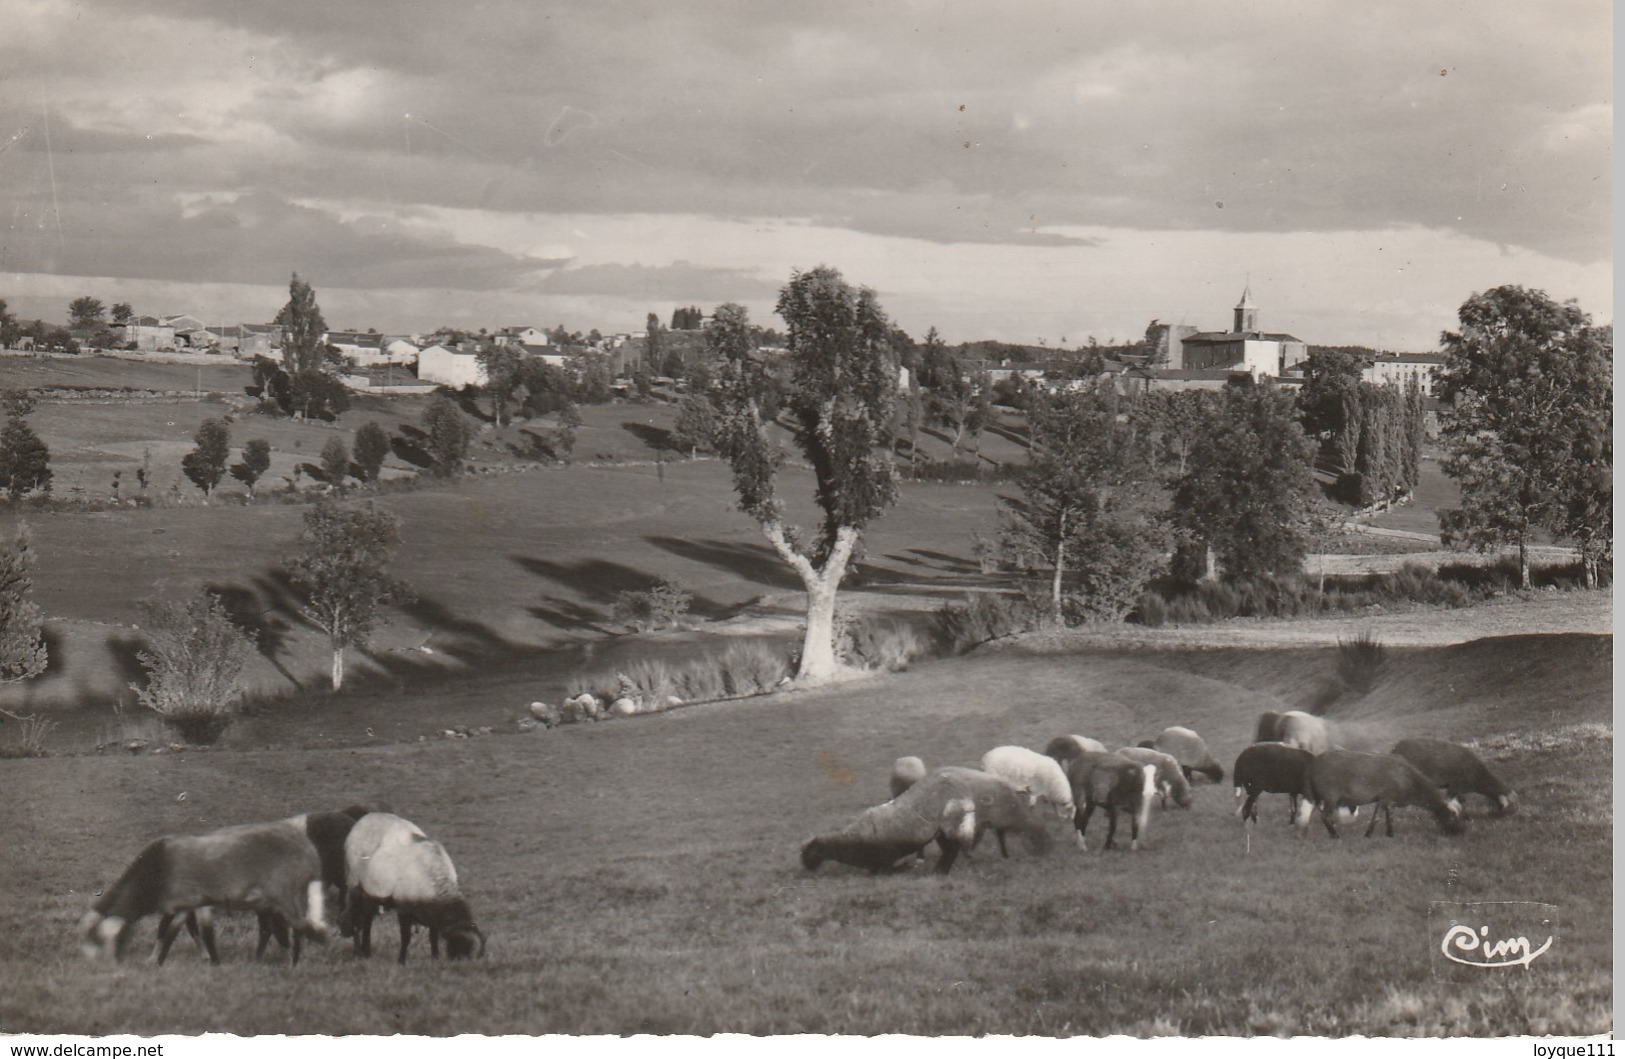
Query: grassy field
[[641, 876]]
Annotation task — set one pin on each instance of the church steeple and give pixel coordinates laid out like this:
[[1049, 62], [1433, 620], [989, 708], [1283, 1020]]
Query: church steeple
[[1246, 311]]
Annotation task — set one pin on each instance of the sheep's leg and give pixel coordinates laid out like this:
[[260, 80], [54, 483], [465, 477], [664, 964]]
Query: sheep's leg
[[298, 944], [205, 921], [1249, 808], [950, 851], [1327, 811], [1081, 822], [1111, 824], [434, 944], [1387, 819], [169, 928], [998, 833], [406, 935], [1372, 826]]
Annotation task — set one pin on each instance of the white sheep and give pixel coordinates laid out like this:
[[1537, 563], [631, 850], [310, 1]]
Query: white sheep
[[905, 773], [391, 863], [1037, 774]]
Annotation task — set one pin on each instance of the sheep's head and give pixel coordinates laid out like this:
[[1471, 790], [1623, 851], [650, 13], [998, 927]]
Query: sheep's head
[[1507, 804], [1452, 821], [460, 942], [812, 854]]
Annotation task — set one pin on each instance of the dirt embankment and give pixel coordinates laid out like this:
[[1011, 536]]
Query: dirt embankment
[[1535, 612]]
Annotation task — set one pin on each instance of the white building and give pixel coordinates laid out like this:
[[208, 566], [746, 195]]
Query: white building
[[1399, 369], [448, 367]]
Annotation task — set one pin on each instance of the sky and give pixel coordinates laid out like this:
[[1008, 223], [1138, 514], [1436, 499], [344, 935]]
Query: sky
[[1041, 171]]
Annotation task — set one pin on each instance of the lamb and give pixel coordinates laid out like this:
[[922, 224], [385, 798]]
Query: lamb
[[271, 868], [1171, 779], [905, 773], [1458, 770], [1306, 731], [1269, 768], [1188, 748], [1348, 779], [1037, 774], [1000, 808], [1116, 783], [1063, 747], [391, 863], [933, 810]]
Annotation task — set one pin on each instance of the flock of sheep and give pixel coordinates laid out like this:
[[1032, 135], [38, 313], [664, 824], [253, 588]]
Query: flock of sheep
[[365, 860], [1293, 753], [286, 872]]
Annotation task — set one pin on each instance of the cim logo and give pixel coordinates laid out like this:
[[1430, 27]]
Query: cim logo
[[1491, 934]]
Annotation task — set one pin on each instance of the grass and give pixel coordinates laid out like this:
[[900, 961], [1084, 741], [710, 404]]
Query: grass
[[641, 875]]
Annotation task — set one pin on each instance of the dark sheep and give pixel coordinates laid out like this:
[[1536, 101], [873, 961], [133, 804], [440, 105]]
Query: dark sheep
[[935, 809], [1171, 781], [1270, 768], [1064, 747], [327, 832], [1116, 783], [1347, 779], [1189, 749], [1458, 770], [1268, 729], [270, 868], [1001, 807]]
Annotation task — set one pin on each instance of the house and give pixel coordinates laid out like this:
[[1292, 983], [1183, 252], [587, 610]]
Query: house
[[525, 336], [544, 354], [450, 367], [183, 322], [1400, 369], [146, 333], [258, 340], [1245, 347]]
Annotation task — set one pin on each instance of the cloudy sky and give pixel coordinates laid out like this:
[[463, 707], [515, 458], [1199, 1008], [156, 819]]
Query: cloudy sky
[[1019, 171]]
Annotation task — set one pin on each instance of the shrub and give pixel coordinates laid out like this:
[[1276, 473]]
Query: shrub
[[661, 606], [1361, 662], [868, 644], [982, 617], [751, 667], [32, 730], [193, 658]]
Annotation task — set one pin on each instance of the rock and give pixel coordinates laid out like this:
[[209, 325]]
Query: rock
[[528, 726], [623, 707], [672, 702], [548, 715]]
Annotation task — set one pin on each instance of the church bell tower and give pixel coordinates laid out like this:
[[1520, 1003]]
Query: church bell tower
[[1246, 312]]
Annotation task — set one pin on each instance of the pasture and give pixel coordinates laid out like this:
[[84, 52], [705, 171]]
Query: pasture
[[642, 875]]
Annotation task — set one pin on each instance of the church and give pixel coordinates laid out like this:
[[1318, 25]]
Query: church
[[1243, 348]]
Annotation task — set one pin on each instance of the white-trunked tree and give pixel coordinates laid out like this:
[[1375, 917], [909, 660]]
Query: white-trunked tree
[[842, 387]]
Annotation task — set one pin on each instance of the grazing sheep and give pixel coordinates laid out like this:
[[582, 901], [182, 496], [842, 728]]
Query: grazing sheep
[[1269, 728], [1187, 748], [271, 868], [391, 863], [933, 810], [1269, 768], [905, 773], [1000, 808], [327, 832], [1116, 783], [1171, 779], [1347, 779], [1458, 770], [1064, 747], [1306, 731], [1037, 774]]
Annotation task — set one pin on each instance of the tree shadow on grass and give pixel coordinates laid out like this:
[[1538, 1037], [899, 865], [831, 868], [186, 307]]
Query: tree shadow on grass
[[657, 438], [595, 580], [463, 639], [268, 608], [408, 447], [757, 563]]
